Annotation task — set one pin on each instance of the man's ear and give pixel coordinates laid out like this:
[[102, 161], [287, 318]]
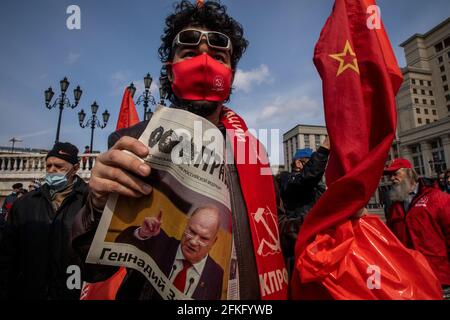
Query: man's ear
[[76, 167]]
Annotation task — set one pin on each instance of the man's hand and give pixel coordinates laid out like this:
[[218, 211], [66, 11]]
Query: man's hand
[[326, 143], [112, 172], [361, 213], [150, 227]]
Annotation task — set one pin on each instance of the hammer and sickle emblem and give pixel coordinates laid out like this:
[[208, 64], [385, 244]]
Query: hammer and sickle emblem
[[274, 244], [218, 82]]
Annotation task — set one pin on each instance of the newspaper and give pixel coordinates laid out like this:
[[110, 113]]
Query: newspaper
[[180, 236]]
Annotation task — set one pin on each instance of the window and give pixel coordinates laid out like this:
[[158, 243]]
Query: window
[[307, 145], [444, 78], [431, 92], [424, 101], [429, 83], [428, 121], [447, 97], [440, 60], [416, 100], [447, 42], [426, 111], [422, 92], [439, 47], [317, 138], [448, 108], [418, 164], [446, 87], [417, 110], [448, 54], [415, 91], [413, 81], [434, 112], [442, 68], [419, 120], [421, 82], [432, 102]]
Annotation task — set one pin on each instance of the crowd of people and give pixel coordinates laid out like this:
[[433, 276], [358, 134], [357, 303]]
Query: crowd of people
[[52, 227]]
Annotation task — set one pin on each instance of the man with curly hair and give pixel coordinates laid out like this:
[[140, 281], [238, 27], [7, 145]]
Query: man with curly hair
[[201, 47]]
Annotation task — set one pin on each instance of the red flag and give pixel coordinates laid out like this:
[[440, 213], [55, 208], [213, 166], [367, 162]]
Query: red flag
[[128, 115], [360, 78], [105, 290]]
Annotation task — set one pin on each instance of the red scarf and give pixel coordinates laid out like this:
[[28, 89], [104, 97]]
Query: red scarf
[[261, 206]]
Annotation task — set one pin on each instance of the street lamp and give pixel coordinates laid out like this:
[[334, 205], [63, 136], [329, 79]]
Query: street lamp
[[93, 121], [13, 141], [162, 89], [62, 101], [146, 97]]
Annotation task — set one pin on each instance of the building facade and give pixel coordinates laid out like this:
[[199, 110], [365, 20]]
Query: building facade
[[423, 102], [299, 137]]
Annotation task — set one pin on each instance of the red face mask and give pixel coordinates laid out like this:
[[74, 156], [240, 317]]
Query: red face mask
[[201, 78]]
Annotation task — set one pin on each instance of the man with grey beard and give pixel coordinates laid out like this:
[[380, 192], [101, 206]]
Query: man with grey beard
[[419, 215]]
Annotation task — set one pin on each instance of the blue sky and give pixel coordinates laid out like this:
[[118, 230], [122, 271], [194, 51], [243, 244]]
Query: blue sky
[[277, 85]]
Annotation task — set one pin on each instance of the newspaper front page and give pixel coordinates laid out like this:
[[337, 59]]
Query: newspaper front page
[[180, 236]]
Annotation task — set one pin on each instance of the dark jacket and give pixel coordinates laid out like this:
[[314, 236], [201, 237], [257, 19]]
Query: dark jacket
[[35, 251], [135, 285], [299, 192], [163, 250]]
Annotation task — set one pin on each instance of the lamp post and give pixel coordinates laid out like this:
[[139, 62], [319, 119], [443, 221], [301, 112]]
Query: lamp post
[[62, 101], [13, 141], [146, 97], [162, 91], [93, 121]]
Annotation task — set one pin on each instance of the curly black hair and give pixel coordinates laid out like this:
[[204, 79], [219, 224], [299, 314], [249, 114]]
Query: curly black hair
[[212, 15]]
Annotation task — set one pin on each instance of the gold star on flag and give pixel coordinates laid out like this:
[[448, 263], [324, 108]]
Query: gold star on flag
[[346, 54]]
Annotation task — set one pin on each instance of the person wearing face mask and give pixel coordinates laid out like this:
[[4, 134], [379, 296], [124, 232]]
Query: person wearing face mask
[[35, 251], [201, 47]]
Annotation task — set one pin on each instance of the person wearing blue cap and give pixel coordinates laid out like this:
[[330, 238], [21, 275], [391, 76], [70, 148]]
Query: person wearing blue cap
[[299, 191], [301, 157]]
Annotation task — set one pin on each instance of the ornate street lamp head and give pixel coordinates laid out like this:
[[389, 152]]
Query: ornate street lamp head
[[105, 117], [64, 84], [48, 96], [162, 91], [81, 116], [148, 81], [94, 107], [77, 94], [132, 89]]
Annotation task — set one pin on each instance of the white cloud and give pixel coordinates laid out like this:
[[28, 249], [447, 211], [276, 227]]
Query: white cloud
[[284, 112], [245, 80], [72, 58]]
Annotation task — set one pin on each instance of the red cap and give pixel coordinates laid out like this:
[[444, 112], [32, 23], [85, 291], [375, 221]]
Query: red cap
[[396, 164]]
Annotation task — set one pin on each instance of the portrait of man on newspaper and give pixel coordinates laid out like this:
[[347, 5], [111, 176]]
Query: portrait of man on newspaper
[[185, 262]]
